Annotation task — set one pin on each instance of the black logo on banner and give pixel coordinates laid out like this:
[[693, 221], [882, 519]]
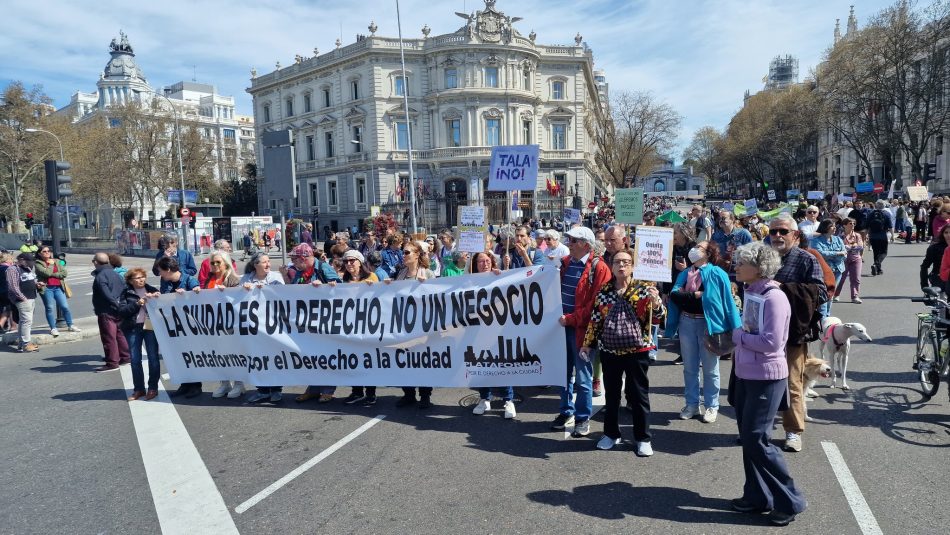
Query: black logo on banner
[[508, 353]]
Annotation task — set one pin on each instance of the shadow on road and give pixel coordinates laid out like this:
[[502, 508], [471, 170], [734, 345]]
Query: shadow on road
[[619, 499], [71, 364]]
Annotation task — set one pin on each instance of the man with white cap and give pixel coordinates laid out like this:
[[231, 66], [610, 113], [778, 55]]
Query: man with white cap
[[582, 276]]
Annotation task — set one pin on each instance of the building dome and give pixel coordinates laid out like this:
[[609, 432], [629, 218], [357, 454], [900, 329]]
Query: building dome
[[122, 64]]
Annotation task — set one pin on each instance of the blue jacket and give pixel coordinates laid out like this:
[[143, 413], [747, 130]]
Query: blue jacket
[[718, 306], [830, 249], [186, 262], [186, 282]]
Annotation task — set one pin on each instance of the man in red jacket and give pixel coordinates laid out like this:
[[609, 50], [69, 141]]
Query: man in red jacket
[[582, 275]]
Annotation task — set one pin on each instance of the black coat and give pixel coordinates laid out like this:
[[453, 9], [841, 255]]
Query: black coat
[[129, 305], [107, 287], [930, 267]]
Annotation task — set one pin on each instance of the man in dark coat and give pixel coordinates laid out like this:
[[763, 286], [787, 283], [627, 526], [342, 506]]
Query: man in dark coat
[[107, 287]]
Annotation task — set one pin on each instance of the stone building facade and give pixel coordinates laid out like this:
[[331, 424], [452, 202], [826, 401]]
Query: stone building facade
[[483, 85]]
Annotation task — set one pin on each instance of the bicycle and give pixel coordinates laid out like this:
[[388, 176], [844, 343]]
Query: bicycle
[[932, 357]]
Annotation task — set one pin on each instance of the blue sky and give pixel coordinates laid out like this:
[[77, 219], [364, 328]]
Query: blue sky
[[698, 55]]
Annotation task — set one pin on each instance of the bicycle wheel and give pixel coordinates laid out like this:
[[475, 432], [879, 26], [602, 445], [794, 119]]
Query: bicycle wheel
[[924, 327], [927, 369]]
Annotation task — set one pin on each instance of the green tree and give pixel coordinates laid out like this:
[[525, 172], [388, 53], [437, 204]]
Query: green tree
[[22, 153]]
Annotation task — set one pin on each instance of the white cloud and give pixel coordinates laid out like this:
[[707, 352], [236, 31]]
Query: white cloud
[[700, 56]]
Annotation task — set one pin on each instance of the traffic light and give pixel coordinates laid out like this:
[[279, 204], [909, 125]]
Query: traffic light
[[29, 220], [930, 172], [191, 222], [57, 184]]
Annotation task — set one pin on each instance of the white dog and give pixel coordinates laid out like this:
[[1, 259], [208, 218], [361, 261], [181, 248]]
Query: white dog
[[836, 344]]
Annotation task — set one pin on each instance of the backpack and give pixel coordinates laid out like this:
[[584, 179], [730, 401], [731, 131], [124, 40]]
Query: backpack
[[878, 222], [622, 328]]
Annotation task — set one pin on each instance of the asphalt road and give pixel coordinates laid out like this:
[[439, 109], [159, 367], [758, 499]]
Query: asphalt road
[[80, 459]]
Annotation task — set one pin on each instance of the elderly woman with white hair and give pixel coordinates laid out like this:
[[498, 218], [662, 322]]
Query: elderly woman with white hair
[[554, 250], [761, 385]]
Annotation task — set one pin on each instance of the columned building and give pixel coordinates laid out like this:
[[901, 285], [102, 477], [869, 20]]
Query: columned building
[[675, 181], [483, 85]]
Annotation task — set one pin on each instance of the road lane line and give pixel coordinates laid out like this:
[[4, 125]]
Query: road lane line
[[859, 506], [185, 496], [274, 487]]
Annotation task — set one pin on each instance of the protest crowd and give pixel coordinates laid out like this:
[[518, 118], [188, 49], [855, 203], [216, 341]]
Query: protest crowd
[[749, 285]]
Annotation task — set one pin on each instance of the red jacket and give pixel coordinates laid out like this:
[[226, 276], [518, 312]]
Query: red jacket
[[584, 295]]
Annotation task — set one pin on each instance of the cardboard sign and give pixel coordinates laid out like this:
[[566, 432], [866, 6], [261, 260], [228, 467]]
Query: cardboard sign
[[917, 193], [513, 168], [629, 205], [816, 195], [751, 207], [653, 255], [471, 229]]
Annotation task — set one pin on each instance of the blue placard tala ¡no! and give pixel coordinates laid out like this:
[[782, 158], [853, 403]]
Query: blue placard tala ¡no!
[[513, 168]]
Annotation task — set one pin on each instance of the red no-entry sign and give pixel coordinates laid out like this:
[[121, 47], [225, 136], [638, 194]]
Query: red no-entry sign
[[185, 212], [592, 205]]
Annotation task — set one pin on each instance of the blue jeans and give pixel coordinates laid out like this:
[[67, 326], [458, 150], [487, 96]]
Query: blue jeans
[[580, 408], [655, 336], [53, 297], [135, 336], [825, 309], [485, 393], [692, 331]]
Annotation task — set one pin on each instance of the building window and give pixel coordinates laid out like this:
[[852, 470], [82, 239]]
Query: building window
[[290, 107], [557, 90], [332, 198], [491, 76], [307, 107], [361, 190], [326, 97], [229, 133], [328, 137], [493, 132], [358, 138], [231, 173], [355, 90], [266, 113], [526, 131], [400, 85], [314, 188], [311, 149], [526, 80], [454, 129], [402, 135], [559, 136], [451, 78]]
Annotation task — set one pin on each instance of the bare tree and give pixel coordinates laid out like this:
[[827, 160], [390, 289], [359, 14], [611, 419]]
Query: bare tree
[[704, 152], [636, 133]]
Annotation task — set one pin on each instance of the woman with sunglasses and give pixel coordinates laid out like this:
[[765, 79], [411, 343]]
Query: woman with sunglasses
[[51, 275], [257, 274], [356, 270], [415, 260], [554, 250], [222, 276]]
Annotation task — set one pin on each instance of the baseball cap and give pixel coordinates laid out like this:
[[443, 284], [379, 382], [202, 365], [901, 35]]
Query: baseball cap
[[302, 251], [581, 233]]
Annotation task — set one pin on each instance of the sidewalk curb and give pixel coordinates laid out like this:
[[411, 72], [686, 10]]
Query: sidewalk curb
[[89, 326]]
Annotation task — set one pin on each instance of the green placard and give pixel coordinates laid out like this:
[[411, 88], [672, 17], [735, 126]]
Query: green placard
[[629, 205]]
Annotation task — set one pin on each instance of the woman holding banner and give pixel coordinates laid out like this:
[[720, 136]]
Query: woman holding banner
[[257, 274], [485, 262], [701, 304], [621, 326], [138, 330], [356, 270], [415, 258], [222, 276]]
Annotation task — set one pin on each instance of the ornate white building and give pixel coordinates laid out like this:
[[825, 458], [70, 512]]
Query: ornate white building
[[668, 179], [122, 81], [483, 85]]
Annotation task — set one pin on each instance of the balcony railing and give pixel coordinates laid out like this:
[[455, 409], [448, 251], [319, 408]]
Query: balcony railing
[[441, 153]]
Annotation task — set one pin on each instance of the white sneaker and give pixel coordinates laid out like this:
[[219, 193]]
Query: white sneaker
[[510, 412], [237, 390], [482, 406], [689, 411], [606, 443], [222, 389], [710, 415], [793, 442], [54, 331], [644, 449], [74, 329]]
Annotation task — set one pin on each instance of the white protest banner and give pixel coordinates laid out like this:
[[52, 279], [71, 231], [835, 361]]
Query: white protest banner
[[471, 228], [771, 194], [470, 330], [751, 207], [572, 215], [917, 193], [816, 195], [653, 256], [513, 168], [629, 205], [791, 194]]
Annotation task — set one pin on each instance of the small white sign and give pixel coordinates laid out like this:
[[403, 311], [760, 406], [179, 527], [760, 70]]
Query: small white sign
[[572, 215], [471, 229], [816, 195], [653, 256], [917, 193]]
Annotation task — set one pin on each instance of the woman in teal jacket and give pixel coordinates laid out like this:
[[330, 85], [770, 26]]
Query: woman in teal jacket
[[701, 303], [832, 249]]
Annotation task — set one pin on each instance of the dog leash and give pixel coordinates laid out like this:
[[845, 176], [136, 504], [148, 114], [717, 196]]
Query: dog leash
[[831, 336]]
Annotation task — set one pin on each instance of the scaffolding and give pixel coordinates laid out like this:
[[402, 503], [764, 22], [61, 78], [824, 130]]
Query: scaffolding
[[783, 72]]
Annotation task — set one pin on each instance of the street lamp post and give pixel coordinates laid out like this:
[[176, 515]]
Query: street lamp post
[[181, 166], [405, 100], [62, 158]]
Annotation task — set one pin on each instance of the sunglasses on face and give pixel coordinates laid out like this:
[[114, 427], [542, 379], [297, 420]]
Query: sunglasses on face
[[351, 261], [778, 231], [216, 263], [810, 212], [575, 240], [407, 252]]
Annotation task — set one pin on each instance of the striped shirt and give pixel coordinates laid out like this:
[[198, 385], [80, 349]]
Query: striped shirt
[[569, 282]]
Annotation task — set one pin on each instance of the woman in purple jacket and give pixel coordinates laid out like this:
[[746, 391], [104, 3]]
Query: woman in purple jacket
[[762, 386]]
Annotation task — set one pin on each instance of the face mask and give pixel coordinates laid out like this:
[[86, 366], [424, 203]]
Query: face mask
[[696, 254], [753, 221]]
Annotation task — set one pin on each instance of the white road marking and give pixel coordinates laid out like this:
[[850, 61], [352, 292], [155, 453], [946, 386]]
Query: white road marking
[[88, 294], [185, 496], [859, 506], [274, 487]]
